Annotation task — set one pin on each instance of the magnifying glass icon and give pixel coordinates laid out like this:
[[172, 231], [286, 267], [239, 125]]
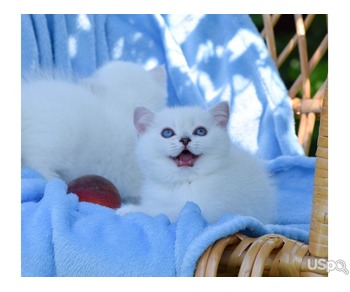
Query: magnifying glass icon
[[340, 266]]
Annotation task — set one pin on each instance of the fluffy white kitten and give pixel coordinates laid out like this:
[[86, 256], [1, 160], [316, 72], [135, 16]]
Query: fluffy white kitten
[[186, 154], [70, 129]]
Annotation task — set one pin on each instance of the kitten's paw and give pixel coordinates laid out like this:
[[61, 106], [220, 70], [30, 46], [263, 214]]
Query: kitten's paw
[[127, 209]]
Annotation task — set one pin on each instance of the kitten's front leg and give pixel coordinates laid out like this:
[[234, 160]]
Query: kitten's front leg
[[127, 209], [149, 210]]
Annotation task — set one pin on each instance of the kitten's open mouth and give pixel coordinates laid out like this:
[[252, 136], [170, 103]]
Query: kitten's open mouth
[[185, 158]]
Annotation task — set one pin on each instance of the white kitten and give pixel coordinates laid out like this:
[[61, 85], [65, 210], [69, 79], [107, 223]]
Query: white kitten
[[186, 155], [71, 129]]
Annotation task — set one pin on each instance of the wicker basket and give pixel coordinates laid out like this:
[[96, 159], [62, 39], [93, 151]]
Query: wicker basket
[[273, 254]]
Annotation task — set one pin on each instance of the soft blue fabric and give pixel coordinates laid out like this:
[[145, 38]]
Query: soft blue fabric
[[208, 58]]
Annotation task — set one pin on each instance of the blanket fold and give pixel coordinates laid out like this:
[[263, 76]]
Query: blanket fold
[[208, 58]]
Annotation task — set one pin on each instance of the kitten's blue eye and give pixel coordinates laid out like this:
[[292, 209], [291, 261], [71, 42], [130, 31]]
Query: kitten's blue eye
[[167, 133], [200, 131]]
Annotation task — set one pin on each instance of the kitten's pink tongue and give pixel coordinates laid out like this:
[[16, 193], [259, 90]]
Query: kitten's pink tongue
[[185, 159]]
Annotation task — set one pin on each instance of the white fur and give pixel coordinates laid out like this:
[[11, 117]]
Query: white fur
[[71, 129], [223, 179]]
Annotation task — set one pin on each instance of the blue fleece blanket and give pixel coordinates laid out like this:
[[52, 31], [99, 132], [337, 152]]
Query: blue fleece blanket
[[208, 58]]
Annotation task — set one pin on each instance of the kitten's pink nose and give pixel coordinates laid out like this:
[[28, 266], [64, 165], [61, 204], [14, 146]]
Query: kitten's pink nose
[[185, 140]]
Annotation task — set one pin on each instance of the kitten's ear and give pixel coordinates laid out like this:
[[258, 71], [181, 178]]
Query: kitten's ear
[[221, 113], [143, 118], [159, 75]]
